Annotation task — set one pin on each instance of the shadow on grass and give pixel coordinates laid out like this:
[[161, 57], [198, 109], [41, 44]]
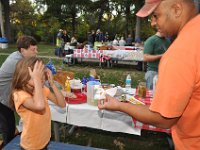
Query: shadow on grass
[[149, 140]]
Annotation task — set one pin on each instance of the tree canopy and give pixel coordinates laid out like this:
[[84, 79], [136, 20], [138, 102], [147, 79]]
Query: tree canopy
[[43, 18]]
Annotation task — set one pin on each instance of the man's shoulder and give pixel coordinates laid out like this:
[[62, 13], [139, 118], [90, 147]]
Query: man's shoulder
[[153, 37], [14, 56], [9, 64], [150, 40]]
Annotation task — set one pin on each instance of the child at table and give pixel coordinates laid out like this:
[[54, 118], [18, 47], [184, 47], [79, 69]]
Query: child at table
[[30, 97]]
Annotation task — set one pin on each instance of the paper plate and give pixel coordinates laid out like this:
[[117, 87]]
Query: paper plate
[[111, 91], [81, 98]]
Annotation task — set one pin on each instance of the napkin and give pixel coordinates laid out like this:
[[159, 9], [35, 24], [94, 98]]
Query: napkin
[[99, 92]]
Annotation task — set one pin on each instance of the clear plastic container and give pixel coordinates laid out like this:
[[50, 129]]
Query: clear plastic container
[[142, 90], [90, 92]]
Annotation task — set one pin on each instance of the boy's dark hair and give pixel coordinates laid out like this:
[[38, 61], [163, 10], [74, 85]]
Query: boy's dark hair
[[25, 42]]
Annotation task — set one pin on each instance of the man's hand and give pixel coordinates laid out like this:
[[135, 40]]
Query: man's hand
[[110, 103]]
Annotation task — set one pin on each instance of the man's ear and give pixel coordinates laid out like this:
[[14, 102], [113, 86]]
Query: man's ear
[[177, 9], [22, 50]]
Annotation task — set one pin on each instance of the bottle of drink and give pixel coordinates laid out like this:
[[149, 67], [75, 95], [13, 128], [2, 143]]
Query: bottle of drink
[[128, 81], [67, 85]]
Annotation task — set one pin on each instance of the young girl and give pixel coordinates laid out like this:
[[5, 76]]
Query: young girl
[[29, 95]]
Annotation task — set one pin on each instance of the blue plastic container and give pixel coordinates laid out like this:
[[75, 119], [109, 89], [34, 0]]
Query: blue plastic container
[[3, 40]]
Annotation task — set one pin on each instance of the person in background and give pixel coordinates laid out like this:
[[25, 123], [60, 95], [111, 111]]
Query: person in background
[[65, 36], [138, 40], [59, 38], [73, 41], [29, 97], [129, 40], [99, 36], [176, 101], [27, 47], [91, 38], [115, 42], [106, 37], [59, 43], [117, 37], [154, 48], [122, 42], [65, 41]]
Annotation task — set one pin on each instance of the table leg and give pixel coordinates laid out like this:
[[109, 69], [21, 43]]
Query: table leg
[[68, 61], [108, 63], [71, 130], [56, 131], [143, 66], [73, 60], [99, 63], [170, 141]]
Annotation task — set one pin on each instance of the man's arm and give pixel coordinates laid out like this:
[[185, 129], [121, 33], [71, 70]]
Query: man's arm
[[143, 114], [149, 57], [139, 112]]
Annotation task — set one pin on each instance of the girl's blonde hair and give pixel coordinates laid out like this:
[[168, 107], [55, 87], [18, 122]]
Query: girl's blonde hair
[[21, 77]]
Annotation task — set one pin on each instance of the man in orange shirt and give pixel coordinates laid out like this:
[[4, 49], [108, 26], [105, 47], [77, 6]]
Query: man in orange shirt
[[177, 97]]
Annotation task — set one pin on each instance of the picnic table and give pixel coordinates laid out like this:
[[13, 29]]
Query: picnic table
[[111, 56], [85, 115]]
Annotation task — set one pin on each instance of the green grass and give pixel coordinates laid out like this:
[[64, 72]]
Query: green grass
[[115, 75], [97, 138], [118, 141]]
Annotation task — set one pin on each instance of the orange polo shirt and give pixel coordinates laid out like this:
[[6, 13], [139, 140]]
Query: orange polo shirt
[[178, 87], [36, 130]]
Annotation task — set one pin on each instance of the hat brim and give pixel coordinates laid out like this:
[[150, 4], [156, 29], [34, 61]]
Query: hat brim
[[147, 9]]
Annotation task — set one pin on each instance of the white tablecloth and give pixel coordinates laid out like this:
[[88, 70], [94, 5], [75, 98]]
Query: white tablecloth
[[57, 114], [136, 55], [90, 116]]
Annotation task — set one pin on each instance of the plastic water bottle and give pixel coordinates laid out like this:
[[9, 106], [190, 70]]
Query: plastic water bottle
[[128, 81]]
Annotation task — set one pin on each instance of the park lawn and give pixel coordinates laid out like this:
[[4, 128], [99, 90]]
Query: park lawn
[[97, 138]]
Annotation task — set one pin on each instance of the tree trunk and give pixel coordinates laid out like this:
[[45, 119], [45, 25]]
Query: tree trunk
[[1, 20], [73, 23], [6, 7], [73, 12], [6, 19], [102, 9], [138, 5], [137, 28], [127, 18]]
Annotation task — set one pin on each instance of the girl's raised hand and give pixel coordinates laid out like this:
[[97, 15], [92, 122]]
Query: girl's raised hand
[[38, 71], [49, 76]]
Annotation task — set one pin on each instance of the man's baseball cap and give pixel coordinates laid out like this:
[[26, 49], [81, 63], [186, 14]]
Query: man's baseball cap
[[148, 8]]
